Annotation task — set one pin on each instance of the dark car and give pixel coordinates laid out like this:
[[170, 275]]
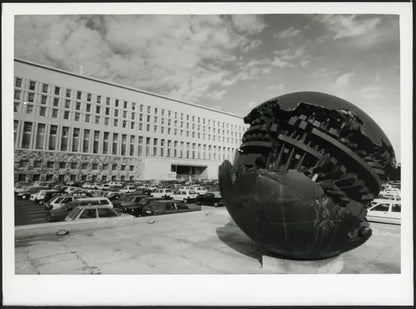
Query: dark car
[[210, 198], [132, 203], [26, 194], [60, 213], [113, 196], [164, 207]]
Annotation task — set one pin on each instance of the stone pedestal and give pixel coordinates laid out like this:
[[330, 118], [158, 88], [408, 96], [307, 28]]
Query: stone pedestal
[[283, 266]]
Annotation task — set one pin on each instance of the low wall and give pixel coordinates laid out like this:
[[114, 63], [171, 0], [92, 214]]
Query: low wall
[[44, 229]]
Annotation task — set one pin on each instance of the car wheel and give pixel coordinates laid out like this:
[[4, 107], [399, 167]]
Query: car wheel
[[24, 197], [215, 204], [185, 200]]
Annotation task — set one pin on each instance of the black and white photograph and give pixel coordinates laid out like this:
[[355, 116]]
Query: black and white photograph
[[170, 144]]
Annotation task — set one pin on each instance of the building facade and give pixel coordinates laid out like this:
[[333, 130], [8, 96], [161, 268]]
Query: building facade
[[73, 127]]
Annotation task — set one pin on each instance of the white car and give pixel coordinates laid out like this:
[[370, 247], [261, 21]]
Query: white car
[[385, 211], [162, 193], [58, 202], [127, 189], [96, 212], [184, 195], [199, 190]]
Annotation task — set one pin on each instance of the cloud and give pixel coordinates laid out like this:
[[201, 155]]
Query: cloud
[[249, 24], [169, 54], [290, 32], [347, 26]]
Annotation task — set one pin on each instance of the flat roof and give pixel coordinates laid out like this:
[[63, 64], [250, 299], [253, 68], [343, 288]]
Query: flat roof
[[123, 86]]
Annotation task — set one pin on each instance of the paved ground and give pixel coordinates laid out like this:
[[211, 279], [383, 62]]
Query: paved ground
[[203, 242], [28, 212]]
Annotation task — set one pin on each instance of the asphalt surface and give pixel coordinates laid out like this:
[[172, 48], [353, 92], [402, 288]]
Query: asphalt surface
[[28, 212]]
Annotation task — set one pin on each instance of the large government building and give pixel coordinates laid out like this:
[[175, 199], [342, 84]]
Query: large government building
[[74, 127]]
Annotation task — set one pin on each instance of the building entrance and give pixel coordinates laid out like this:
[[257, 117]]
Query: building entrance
[[189, 172]]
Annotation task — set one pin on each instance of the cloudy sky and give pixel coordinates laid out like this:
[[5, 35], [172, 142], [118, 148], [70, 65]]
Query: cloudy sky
[[229, 62]]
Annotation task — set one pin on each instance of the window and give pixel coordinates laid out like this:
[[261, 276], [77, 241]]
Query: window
[[115, 122], [37, 163], [32, 85], [18, 82], [17, 94], [154, 147], [141, 107], [29, 108], [40, 136], [132, 116], [87, 117], [66, 114], [50, 164], [105, 166], [107, 111], [115, 137], [132, 141], [106, 121], [52, 137], [88, 214], [140, 146], [62, 164], [95, 166], [79, 93], [97, 119], [131, 168], [133, 105], [132, 125], [147, 146], [148, 109], [77, 116], [105, 213], [31, 97], [105, 143], [68, 93], [16, 125], [57, 90], [75, 140], [125, 104], [381, 207], [84, 165], [124, 123], [88, 107], [107, 101], [16, 106], [95, 146], [168, 150], [396, 208], [24, 163], [55, 113], [97, 109], [27, 133], [114, 167], [116, 102], [89, 97], [98, 99], [123, 144], [85, 144], [74, 165], [123, 167]]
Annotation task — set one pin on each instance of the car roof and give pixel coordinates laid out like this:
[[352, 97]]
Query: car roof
[[92, 198], [93, 206], [166, 201]]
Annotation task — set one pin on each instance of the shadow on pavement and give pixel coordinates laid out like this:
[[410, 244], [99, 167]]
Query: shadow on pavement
[[231, 235]]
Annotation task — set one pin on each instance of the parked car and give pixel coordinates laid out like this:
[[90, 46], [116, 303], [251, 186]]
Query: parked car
[[210, 198], [30, 190], [45, 195], [164, 193], [199, 190], [59, 214], [20, 186], [184, 195], [163, 207], [129, 200], [385, 211], [136, 210], [127, 189], [113, 196], [70, 190], [103, 187], [59, 201], [96, 212]]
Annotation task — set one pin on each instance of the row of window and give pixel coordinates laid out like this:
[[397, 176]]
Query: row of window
[[73, 177], [74, 165], [52, 137], [162, 128], [57, 94]]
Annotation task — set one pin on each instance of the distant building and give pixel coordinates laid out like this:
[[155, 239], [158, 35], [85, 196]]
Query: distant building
[[73, 127]]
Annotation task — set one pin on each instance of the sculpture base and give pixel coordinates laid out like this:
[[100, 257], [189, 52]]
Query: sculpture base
[[282, 266]]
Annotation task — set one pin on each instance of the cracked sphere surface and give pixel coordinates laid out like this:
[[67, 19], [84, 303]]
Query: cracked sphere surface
[[307, 168]]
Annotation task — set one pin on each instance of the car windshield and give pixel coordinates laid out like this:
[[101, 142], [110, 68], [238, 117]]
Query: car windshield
[[57, 200], [74, 213]]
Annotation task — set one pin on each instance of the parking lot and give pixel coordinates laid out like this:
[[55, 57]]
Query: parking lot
[[28, 212]]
